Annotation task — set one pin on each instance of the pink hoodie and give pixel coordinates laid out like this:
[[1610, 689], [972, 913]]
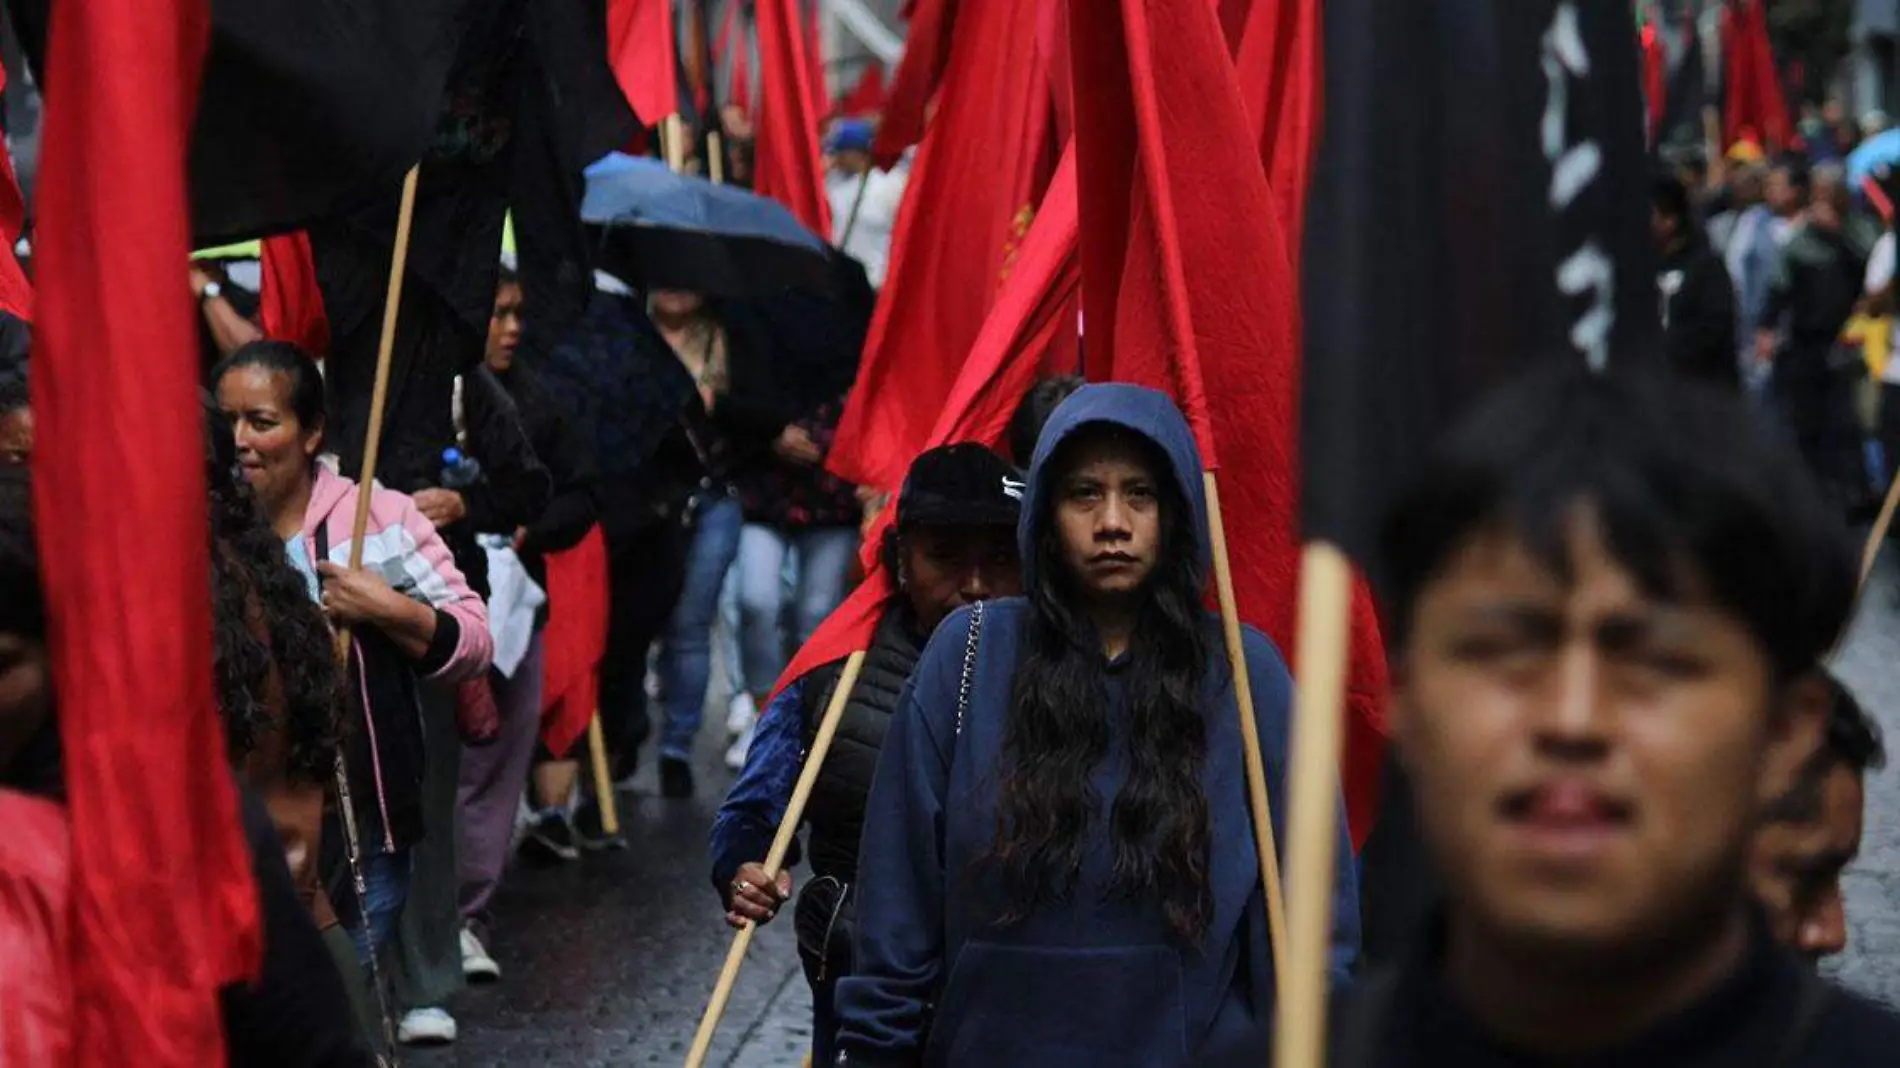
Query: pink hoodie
[[402, 546]]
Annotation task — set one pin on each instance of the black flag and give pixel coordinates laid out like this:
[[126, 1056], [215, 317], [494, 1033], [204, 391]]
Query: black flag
[[1480, 204], [304, 104], [528, 98]]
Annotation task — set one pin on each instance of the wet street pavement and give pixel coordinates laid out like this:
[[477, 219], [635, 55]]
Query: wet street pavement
[[610, 961]]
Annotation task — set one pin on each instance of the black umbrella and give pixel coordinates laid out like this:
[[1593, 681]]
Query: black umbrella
[[659, 230]]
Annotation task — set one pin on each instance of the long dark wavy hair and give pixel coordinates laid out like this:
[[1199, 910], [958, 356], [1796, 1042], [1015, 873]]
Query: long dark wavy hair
[[249, 573], [1057, 735]]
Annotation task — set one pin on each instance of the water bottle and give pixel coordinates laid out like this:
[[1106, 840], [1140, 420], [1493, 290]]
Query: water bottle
[[459, 470]]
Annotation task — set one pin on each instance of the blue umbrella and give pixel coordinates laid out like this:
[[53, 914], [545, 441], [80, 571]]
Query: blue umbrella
[[1880, 150], [660, 230]]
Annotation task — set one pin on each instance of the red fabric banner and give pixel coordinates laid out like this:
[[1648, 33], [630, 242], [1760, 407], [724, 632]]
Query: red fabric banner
[[1655, 77], [1189, 287], [974, 188], [645, 56], [815, 69], [740, 92], [16, 293], [787, 164], [1035, 311], [574, 641], [35, 921], [164, 904], [290, 303], [919, 73], [1279, 64], [1753, 82], [867, 97]]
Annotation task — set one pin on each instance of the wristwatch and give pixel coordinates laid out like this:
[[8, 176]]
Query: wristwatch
[[211, 291]]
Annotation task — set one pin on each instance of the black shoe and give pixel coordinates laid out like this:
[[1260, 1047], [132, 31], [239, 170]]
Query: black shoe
[[550, 840], [623, 768], [588, 832], [676, 778]]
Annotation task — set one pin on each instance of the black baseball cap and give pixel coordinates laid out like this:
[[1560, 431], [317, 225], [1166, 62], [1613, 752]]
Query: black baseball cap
[[960, 485]]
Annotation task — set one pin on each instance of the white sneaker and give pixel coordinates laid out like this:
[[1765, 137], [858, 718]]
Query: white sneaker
[[741, 715], [736, 754], [426, 1027], [477, 965]]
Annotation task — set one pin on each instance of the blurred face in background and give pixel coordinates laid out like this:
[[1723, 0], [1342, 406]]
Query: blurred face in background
[[504, 328], [947, 567], [1808, 838], [676, 303], [1783, 196], [1590, 759], [16, 437]]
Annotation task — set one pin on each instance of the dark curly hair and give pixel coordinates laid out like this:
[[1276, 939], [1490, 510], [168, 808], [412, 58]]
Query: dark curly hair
[[1056, 735], [250, 575]]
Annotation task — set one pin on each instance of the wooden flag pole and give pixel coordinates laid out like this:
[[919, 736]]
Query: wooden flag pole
[[716, 158], [673, 143], [775, 858], [1882, 524], [385, 351], [372, 445], [1249, 731], [603, 779], [1325, 626]]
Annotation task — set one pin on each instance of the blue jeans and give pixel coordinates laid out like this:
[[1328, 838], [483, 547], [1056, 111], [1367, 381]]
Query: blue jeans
[[823, 558], [686, 663], [386, 890]]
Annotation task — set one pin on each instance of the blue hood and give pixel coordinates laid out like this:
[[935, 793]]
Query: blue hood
[[1146, 412]]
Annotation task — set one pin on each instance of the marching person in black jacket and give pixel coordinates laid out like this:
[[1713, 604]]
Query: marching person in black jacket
[[1697, 296], [953, 544], [1817, 281], [494, 778]]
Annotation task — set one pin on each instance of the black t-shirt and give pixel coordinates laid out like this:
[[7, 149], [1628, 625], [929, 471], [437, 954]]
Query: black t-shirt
[[1773, 1013]]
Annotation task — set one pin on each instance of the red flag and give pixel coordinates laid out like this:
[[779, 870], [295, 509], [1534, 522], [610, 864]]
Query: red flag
[[973, 191], [642, 49], [1035, 310], [35, 918], [867, 97], [786, 161], [1189, 287], [1754, 98], [1278, 62], [815, 71], [290, 303], [16, 293], [926, 55], [740, 92], [164, 905], [1655, 78], [574, 641]]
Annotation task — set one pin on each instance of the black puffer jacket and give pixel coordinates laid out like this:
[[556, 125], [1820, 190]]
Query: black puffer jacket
[[836, 811]]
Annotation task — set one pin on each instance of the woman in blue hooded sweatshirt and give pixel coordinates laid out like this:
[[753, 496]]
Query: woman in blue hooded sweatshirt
[[1058, 865]]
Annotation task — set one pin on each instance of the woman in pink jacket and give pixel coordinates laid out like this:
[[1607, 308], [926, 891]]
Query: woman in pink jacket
[[411, 614]]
